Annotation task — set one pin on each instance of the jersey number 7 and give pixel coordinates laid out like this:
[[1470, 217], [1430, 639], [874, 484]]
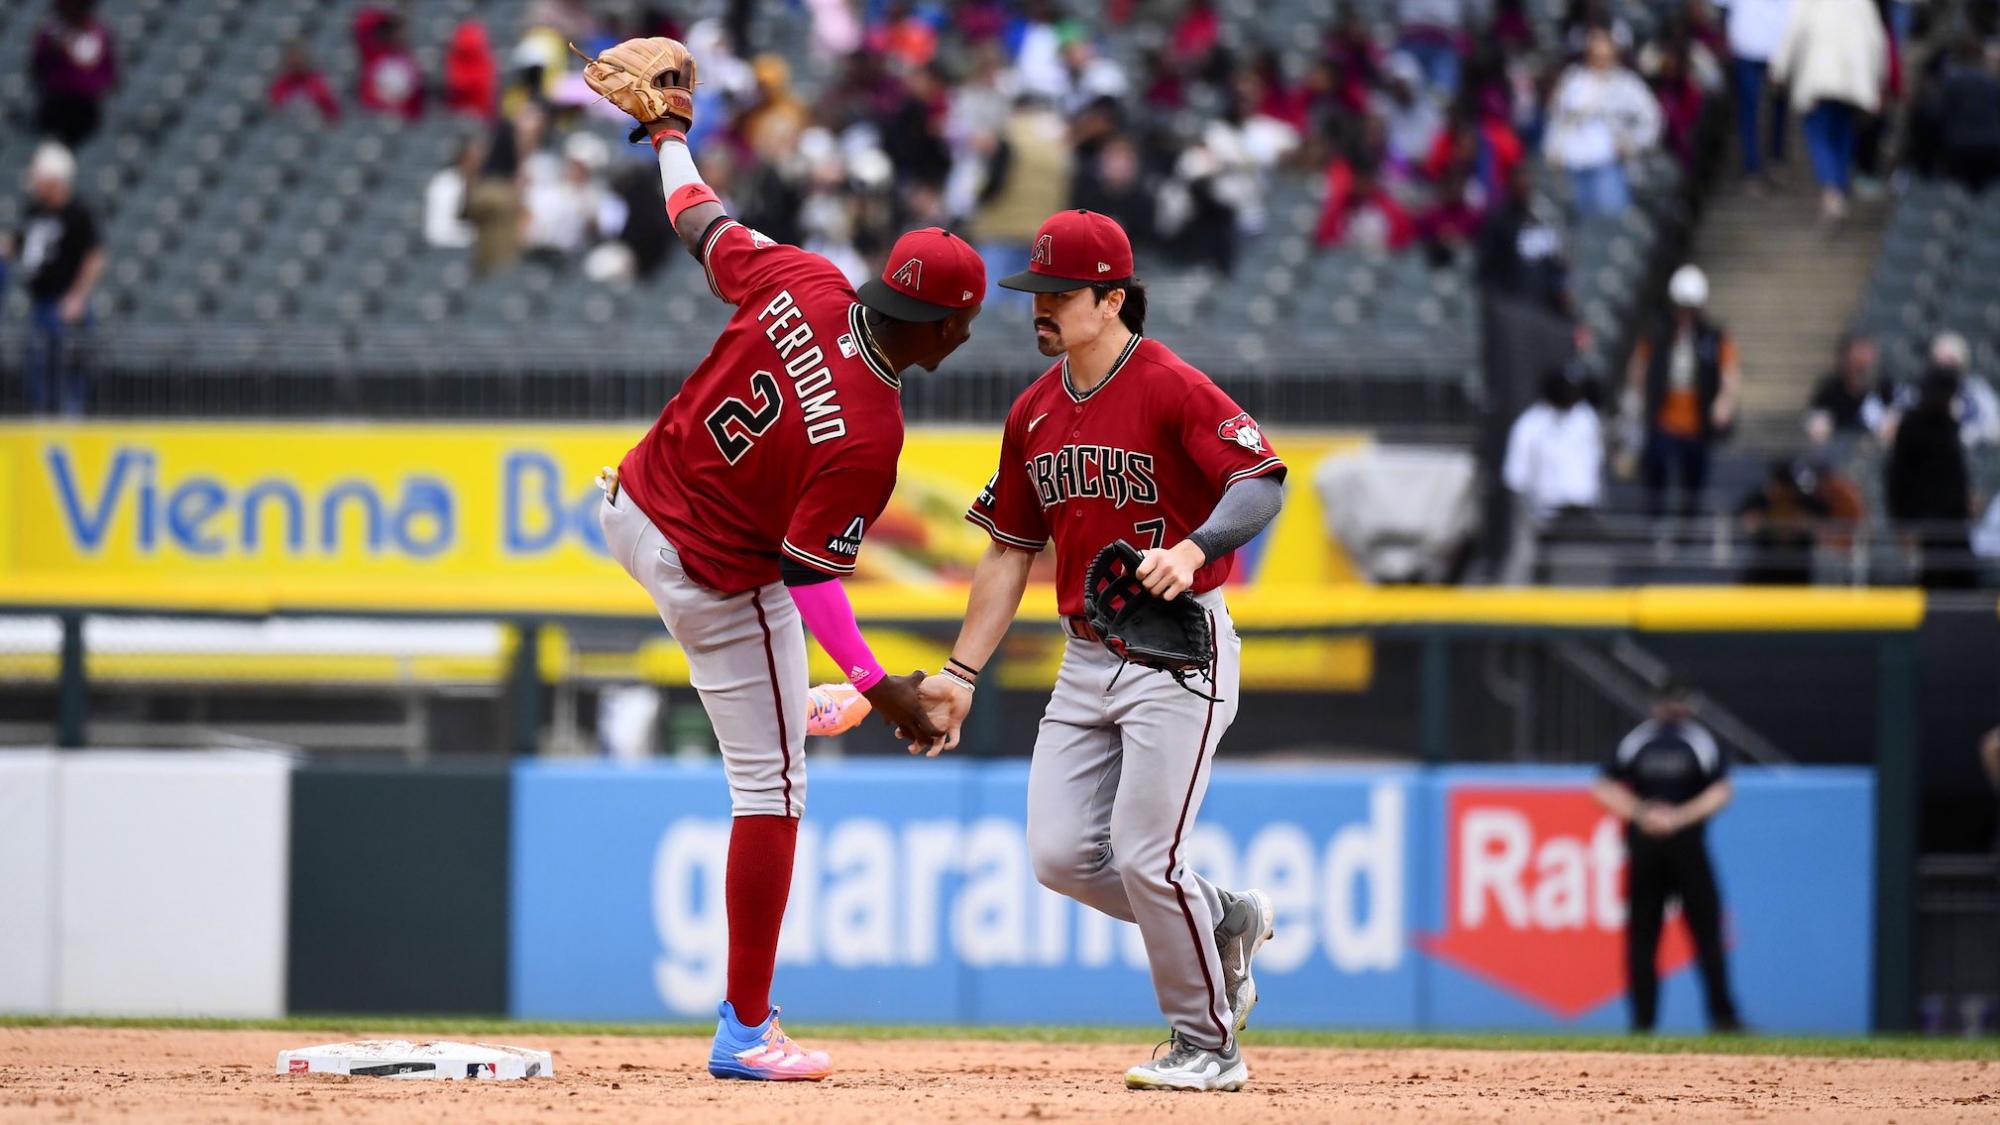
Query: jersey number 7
[[736, 425]]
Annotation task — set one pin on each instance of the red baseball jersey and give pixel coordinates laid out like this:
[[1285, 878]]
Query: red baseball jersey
[[1143, 456], [784, 440]]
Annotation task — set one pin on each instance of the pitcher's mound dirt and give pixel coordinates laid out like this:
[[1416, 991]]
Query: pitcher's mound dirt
[[97, 1074]]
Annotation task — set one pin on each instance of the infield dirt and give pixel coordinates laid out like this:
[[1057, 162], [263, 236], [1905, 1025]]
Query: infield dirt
[[149, 1074]]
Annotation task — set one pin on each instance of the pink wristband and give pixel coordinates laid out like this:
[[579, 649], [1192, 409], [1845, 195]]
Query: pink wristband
[[689, 195], [827, 612]]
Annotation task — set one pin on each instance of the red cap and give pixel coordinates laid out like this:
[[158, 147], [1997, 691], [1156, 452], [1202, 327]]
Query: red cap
[[931, 273], [1074, 249]]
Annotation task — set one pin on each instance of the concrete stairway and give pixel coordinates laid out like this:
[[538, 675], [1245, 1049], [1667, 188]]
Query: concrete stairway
[[1785, 284]]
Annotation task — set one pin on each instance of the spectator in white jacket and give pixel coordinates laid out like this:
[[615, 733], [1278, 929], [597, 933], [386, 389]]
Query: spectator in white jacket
[[1555, 452], [1601, 116], [1835, 58], [445, 223], [1755, 29]]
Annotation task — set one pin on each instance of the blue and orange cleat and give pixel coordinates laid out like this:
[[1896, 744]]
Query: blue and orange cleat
[[763, 1053]]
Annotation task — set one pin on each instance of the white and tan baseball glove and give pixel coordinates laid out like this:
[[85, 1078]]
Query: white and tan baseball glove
[[647, 78]]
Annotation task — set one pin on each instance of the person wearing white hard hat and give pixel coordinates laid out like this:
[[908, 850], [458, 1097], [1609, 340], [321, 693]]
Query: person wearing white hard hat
[[1682, 387]]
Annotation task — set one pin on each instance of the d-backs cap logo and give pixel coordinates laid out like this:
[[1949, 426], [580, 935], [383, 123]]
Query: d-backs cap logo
[[1535, 898], [1045, 251], [911, 275], [1243, 430]]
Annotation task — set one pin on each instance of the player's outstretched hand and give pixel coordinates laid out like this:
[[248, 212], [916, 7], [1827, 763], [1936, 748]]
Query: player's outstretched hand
[[947, 702], [895, 698], [1168, 572]]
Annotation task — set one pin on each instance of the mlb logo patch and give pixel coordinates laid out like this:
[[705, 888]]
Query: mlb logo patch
[[848, 348], [1242, 430]]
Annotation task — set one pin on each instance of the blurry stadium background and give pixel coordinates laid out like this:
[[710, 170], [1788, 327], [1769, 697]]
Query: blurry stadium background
[[295, 483]]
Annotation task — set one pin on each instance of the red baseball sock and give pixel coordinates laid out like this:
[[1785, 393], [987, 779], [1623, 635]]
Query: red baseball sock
[[758, 882]]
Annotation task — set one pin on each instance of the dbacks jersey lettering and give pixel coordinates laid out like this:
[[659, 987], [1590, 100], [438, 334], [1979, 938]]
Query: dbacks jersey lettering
[[784, 440], [1143, 456]]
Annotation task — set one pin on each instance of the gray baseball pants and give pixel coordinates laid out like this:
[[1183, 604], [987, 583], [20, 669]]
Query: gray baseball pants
[[1117, 779], [746, 657]]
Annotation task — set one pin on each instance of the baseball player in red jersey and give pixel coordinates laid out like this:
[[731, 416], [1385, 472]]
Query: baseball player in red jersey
[[1122, 440], [744, 506]]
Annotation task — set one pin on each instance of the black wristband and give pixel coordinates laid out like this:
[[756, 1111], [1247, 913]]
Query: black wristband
[[1204, 543], [962, 666]]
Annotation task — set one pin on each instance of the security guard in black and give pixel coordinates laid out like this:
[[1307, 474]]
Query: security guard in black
[[1664, 781]]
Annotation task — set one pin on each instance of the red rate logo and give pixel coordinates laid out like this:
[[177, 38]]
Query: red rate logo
[[1535, 898]]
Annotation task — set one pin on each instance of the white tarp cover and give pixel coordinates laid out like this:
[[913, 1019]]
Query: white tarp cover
[[1400, 512]]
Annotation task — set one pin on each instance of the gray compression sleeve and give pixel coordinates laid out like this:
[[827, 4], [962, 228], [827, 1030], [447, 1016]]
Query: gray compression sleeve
[[1247, 508], [677, 167]]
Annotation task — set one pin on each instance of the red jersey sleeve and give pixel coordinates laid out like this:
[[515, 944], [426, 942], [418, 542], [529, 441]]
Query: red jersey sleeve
[[1223, 439], [838, 508], [740, 261], [1007, 509]]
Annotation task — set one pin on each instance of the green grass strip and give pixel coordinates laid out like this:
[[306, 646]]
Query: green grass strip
[[1870, 1047]]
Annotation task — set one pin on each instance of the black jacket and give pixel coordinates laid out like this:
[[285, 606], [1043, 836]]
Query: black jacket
[[1708, 340], [1926, 478]]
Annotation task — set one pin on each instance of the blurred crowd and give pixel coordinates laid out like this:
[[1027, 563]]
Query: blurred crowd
[[1929, 434], [985, 116], [1421, 121], [1922, 437], [1902, 453]]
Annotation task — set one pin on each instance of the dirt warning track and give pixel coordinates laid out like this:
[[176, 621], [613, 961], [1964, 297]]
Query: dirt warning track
[[163, 1075]]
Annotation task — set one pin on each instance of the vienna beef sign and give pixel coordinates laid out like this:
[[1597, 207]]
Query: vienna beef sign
[[1535, 898]]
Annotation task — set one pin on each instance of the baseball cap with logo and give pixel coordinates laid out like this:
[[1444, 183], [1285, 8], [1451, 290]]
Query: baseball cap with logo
[[1074, 249], [931, 274]]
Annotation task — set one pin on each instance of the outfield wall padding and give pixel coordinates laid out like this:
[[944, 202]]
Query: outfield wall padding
[[399, 880]]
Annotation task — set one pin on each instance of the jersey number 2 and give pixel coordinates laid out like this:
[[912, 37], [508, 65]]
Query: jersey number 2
[[736, 425]]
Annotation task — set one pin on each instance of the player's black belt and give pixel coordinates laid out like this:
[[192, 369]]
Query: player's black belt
[[1078, 626]]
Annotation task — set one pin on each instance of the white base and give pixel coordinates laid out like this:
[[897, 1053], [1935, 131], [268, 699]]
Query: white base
[[398, 1058]]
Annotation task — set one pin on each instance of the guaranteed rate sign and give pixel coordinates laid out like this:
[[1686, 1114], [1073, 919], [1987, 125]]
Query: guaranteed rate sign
[[1450, 898], [1535, 898]]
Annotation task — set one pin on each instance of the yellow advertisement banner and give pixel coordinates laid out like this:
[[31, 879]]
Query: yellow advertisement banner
[[495, 518]]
